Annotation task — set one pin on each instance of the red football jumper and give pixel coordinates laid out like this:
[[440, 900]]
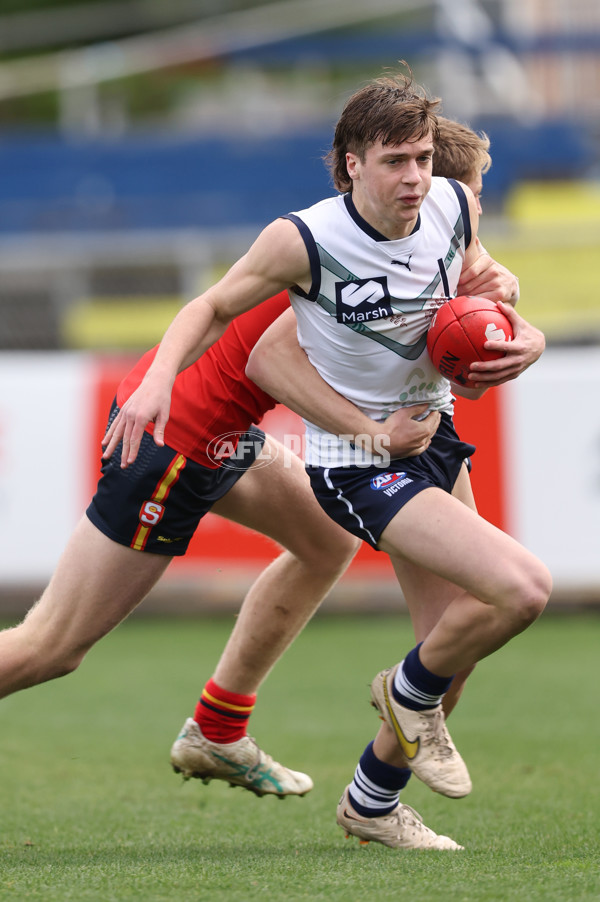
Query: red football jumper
[[214, 396]]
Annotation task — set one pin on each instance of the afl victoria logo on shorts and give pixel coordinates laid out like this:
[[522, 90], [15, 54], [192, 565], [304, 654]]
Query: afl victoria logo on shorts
[[390, 483], [362, 300]]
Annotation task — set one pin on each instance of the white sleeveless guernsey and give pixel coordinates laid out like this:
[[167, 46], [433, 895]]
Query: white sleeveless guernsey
[[363, 324]]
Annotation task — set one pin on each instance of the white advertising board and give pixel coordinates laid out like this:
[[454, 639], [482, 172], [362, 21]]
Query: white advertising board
[[43, 436], [554, 468], [550, 480]]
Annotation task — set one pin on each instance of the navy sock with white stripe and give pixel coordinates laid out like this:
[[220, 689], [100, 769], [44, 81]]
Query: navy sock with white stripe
[[417, 688], [376, 787]]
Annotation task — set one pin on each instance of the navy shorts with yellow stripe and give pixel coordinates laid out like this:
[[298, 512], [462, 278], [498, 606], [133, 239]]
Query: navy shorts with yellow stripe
[[157, 502], [365, 499]]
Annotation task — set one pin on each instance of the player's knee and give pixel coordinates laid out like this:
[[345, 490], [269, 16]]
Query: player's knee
[[56, 663], [536, 586], [45, 658], [335, 554], [66, 663], [345, 547]]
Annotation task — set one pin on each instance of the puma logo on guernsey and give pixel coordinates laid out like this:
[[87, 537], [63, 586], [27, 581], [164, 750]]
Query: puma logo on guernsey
[[362, 300]]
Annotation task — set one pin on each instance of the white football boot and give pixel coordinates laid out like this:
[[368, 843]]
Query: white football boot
[[424, 740], [403, 828], [240, 763]]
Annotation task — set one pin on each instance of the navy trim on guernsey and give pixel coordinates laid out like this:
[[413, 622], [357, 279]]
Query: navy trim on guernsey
[[364, 500], [444, 277], [313, 256], [365, 226], [464, 209]]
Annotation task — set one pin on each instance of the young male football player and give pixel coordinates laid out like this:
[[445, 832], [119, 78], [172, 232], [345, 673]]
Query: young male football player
[[366, 271]]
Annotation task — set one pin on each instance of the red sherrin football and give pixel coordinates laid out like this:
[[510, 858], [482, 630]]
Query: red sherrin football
[[458, 332]]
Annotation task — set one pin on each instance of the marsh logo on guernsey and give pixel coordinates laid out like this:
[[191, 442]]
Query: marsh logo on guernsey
[[390, 483], [362, 300]]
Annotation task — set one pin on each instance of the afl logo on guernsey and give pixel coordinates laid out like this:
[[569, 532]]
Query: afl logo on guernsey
[[362, 300], [390, 483]]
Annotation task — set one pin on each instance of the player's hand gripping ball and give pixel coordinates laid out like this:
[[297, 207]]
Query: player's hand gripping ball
[[458, 331]]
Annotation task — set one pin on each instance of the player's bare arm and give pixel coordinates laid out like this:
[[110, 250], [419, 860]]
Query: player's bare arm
[[280, 367], [526, 347], [485, 277], [482, 276], [276, 260], [473, 251]]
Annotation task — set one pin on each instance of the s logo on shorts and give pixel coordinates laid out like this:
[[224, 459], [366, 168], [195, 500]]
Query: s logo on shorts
[[151, 513]]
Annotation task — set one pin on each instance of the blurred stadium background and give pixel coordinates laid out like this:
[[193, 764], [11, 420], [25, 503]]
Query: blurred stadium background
[[143, 145]]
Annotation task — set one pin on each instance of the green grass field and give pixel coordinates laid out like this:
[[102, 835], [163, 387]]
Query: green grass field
[[90, 809]]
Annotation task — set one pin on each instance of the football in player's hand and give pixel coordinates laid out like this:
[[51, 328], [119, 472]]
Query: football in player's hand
[[458, 331]]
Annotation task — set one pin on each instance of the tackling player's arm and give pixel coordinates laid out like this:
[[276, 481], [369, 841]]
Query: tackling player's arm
[[280, 367], [527, 345], [485, 277], [482, 276], [276, 260]]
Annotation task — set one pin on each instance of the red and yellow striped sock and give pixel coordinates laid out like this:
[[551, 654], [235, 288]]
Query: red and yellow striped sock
[[221, 715]]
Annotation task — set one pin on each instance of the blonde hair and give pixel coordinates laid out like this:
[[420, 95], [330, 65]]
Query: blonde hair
[[460, 153]]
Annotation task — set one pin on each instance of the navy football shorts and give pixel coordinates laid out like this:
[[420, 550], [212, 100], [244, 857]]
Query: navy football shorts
[[156, 503], [365, 499]]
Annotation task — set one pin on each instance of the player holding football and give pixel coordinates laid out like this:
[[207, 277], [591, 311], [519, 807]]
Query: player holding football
[[116, 554], [365, 270], [279, 365]]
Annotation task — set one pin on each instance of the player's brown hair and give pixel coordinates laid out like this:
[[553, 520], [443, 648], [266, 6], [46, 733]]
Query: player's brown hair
[[460, 153], [391, 109]]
